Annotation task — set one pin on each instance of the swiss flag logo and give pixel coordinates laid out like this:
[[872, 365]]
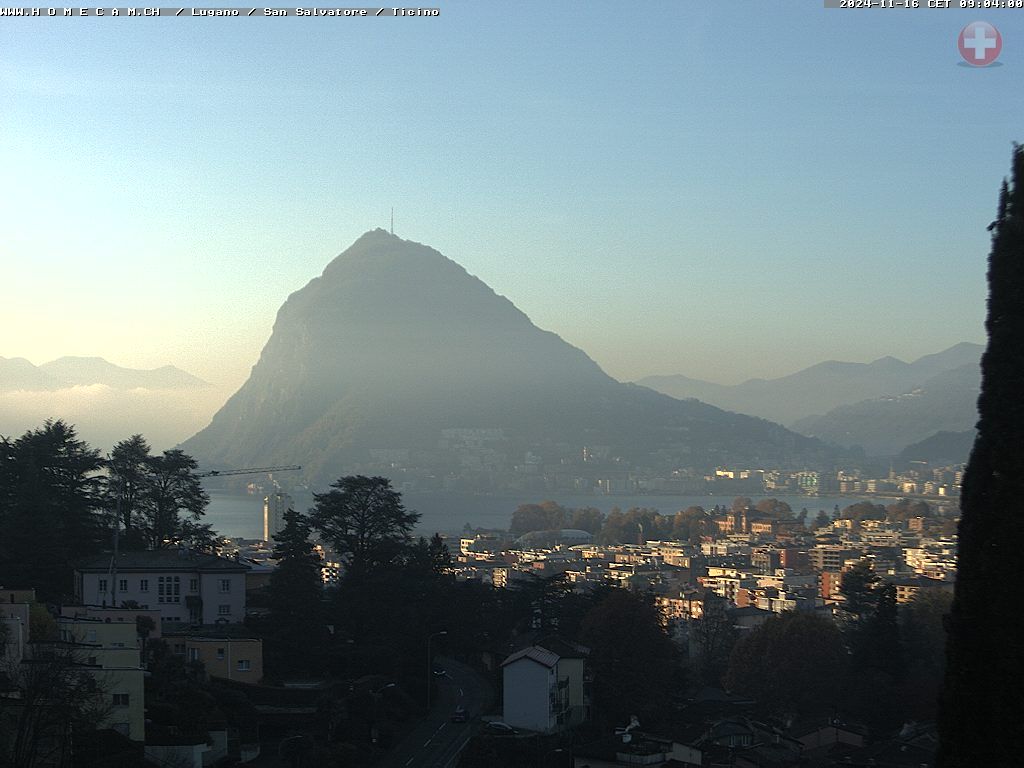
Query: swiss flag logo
[[980, 43]]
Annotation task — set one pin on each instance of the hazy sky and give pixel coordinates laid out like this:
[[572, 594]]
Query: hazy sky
[[723, 189]]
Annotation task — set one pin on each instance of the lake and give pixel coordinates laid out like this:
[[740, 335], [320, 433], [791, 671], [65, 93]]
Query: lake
[[241, 516]]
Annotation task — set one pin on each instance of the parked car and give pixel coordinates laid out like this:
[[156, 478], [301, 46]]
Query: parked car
[[498, 728], [459, 715]]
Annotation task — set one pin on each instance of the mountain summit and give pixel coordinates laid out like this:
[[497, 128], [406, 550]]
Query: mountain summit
[[394, 343]]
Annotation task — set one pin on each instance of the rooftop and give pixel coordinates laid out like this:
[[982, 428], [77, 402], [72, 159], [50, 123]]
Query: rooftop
[[162, 560]]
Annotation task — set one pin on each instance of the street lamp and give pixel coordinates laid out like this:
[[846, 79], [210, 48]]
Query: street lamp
[[430, 665]]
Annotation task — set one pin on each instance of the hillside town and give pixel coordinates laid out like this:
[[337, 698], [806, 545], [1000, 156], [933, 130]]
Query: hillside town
[[139, 618]]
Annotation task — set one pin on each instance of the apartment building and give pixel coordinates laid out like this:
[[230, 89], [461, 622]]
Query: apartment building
[[185, 586]]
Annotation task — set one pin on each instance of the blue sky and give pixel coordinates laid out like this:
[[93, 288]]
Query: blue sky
[[725, 190]]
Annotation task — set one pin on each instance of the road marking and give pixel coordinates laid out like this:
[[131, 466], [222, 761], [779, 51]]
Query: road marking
[[409, 761]]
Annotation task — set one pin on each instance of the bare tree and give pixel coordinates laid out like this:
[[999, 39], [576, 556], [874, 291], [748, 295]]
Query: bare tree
[[46, 699]]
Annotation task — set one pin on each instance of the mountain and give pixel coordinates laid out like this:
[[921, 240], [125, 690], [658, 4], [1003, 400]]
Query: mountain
[[18, 374], [947, 402], [940, 449], [96, 370], [105, 402], [394, 343], [820, 388]]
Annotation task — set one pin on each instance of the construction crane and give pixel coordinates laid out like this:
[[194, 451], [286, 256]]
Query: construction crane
[[249, 471]]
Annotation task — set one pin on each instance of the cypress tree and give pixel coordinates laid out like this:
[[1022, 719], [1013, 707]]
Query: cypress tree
[[980, 707], [296, 634]]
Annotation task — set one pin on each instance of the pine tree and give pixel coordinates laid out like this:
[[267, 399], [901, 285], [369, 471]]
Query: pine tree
[[50, 508], [365, 522], [296, 633], [980, 708], [296, 585]]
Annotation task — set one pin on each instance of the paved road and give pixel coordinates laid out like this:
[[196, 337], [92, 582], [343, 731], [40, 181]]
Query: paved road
[[436, 742]]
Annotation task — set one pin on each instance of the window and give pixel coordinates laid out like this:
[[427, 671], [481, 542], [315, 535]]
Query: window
[[179, 648], [91, 661], [103, 585], [90, 636], [122, 585], [169, 589], [120, 699], [193, 654], [225, 585], [223, 610], [243, 665], [220, 654], [193, 585], [143, 585]]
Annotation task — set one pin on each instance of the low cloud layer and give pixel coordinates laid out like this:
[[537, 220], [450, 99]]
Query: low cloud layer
[[104, 415]]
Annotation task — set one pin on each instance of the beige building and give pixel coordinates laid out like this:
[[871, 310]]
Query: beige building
[[110, 653], [222, 654]]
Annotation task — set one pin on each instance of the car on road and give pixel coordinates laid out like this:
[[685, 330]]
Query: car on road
[[459, 715], [498, 728]]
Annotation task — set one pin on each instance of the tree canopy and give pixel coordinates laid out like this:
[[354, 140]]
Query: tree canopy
[[51, 508], [791, 664], [365, 522]]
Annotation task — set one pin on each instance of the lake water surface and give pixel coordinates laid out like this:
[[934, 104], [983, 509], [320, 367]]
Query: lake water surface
[[241, 515]]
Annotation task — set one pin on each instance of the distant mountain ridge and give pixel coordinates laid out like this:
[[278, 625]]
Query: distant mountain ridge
[[18, 374], [946, 403], [394, 343], [820, 388]]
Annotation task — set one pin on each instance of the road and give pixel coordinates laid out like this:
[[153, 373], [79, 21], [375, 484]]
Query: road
[[436, 742]]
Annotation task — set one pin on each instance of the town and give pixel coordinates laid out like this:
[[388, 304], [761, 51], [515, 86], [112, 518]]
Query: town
[[571, 638]]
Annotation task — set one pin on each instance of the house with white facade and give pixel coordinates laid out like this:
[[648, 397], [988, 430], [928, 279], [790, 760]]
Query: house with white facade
[[185, 586], [544, 690]]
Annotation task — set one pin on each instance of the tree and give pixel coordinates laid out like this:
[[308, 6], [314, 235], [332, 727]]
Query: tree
[[175, 501], [58, 699], [296, 621], [296, 585], [741, 503], [863, 510], [50, 508], [858, 588], [537, 600], [633, 659], [589, 519], [128, 480], [790, 664], [690, 524], [924, 649], [440, 556], [365, 522], [822, 519], [774, 508], [906, 509], [876, 665], [546, 516], [985, 667], [713, 638]]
